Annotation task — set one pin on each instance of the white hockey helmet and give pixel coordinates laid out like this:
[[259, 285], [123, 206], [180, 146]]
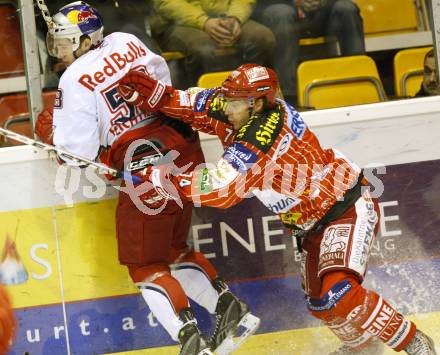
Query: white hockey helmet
[[70, 23]]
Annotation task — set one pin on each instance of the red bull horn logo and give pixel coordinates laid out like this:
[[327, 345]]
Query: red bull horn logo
[[77, 17]]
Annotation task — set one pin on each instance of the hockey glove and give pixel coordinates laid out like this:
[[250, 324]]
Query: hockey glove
[[44, 126], [157, 180], [159, 177], [141, 90]]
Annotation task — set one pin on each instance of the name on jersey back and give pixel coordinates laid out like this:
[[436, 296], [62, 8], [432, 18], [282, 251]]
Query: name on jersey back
[[113, 63]]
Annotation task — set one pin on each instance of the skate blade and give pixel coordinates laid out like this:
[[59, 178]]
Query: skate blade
[[247, 326]]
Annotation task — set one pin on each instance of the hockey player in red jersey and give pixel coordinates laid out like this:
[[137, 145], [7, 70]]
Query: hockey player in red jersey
[[271, 153], [91, 120], [7, 321]]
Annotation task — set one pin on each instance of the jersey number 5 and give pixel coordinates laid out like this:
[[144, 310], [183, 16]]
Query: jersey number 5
[[121, 111]]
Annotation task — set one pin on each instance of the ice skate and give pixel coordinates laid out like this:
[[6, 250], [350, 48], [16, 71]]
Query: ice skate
[[233, 320], [191, 340], [421, 344], [375, 347]]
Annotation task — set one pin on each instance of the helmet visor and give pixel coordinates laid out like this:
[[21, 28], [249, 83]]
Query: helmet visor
[[59, 47]]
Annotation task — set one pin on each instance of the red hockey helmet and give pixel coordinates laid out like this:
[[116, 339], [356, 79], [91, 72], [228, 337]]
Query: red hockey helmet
[[251, 81]]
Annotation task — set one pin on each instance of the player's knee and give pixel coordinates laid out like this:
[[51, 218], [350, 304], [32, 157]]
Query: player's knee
[[148, 273], [338, 300], [195, 260]]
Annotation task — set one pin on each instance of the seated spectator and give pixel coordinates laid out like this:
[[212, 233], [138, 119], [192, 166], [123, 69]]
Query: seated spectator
[[295, 19], [430, 85], [205, 31]]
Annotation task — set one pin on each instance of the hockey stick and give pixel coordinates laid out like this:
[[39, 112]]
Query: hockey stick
[[100, 168], [45, 13]]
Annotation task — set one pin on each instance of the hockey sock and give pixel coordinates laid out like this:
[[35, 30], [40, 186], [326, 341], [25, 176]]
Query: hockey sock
[[165, 298], [355, 314], [195, 273]]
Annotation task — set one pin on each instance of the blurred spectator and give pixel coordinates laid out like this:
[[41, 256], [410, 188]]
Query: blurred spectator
[[430, 85], [295, 19], [205, 31]]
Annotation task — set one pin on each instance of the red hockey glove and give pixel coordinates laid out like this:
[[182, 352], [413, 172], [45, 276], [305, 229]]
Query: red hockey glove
[[160, 178], [44, 126], [141, 90]]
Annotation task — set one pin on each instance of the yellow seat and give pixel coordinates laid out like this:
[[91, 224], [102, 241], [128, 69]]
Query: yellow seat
[[312, 41], [172, 55], [388, 16], [340, 81], [211, 80], [408, 71]]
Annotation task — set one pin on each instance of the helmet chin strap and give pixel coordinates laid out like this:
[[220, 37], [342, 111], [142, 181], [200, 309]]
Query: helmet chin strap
[[251, 105]]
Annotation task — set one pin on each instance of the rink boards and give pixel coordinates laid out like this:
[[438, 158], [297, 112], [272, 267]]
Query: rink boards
[[70, 256], [78, 300]]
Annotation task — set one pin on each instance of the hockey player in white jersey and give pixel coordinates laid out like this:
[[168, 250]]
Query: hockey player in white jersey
[[90, 119]]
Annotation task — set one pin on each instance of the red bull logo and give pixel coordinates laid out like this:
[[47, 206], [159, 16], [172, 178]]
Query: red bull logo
[[86, 15], [76, 16]]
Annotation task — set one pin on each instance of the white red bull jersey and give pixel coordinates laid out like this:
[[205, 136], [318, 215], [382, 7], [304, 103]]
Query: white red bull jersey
[[89, 113], [274, 156]]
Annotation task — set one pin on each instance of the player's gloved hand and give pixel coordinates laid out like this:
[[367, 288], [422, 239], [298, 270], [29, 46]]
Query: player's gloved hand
[[161, 179], [157, 181], [141, 90], [44, 126]]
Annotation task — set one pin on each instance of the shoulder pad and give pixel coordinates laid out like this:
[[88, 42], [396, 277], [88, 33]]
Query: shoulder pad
[[262, 130], [216, 109]]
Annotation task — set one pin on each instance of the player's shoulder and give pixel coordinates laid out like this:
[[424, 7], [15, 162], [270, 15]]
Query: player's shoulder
[[70, 74], [294, 121], [120, 37], [263, 128]]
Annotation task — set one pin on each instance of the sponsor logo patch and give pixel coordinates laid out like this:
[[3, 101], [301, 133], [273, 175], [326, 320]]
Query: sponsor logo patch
[[263, 88], [223, 174], [256, 74], [184, 99], [203, 181], [240, 157], [331, 298], [283, 204], [295, 122], [283, 146], [334, 246], [202, 99], [266, 134], [142, 163], [262, 130], [58, 104], [157, 94], [290, 218], [112, 64], [363, 238]]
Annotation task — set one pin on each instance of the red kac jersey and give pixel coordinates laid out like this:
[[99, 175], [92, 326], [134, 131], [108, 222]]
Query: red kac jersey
[[274, 156]]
